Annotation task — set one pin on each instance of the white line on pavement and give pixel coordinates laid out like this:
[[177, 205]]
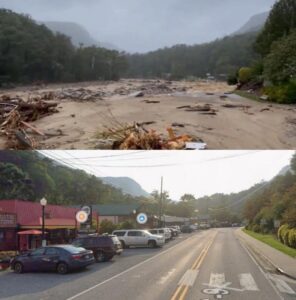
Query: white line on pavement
[[261, 270], [189, 278], [165, 278], [282, 285], [217, 279], [127, 270], [247, 282]]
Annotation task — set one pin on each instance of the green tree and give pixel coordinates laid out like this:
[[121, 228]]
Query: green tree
[[14, 183], [281, 21], [280, 64]]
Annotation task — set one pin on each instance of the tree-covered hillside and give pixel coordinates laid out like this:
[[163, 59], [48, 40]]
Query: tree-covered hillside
[[277, 202], [30, 176], [30, 52], [276, 68], [222, 56]]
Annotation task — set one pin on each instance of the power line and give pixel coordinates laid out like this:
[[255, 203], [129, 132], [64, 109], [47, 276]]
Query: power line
[[242, 199], [163, 165]]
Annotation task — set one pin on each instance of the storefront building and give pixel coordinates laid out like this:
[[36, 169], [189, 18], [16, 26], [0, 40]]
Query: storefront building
[[21, 224], [8, 231]]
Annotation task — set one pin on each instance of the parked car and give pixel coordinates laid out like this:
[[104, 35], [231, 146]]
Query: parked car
[[165, 232], [204, 226], [59, 258], [104, 247], [139, 238], [186, 229], [174, 232], [177, 227], [193, 227]]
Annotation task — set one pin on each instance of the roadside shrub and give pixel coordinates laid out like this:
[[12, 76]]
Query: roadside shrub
[[244, 75], [107, 226], [285, 93], [285, 237], [256, 228], [281, 231], [292, 238], [128, 224]]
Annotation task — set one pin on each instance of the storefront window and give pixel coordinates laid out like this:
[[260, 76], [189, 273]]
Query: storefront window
[[1, 236]]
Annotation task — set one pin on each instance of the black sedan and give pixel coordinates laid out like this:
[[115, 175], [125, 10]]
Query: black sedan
[[60, 258]]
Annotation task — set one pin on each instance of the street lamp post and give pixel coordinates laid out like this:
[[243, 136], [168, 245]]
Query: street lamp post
[[43, 203]]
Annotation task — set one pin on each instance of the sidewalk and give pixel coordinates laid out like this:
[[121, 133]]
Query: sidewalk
[[280, 260]]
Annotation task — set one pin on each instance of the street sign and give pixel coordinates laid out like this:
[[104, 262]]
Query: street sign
[[142, 218], [87, 209], [81, 216]]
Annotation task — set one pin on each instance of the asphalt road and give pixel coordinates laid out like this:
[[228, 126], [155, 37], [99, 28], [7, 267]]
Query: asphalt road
[[205, 265]]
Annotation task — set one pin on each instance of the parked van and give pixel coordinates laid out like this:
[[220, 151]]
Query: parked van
[[139, 238]]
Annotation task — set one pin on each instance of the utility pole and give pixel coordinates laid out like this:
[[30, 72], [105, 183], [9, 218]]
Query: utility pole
[[161, 204]]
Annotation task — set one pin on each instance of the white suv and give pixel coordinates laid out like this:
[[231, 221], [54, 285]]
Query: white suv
[[165, 232], [139, 238]]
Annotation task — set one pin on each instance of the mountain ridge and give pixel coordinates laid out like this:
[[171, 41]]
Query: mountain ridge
[[78, 34], [126, 184], [254, 24]]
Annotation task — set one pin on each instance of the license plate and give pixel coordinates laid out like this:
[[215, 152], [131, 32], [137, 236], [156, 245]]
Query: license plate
[[87, 256]]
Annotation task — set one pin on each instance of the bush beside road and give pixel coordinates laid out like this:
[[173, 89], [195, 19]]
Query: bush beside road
[[270, 240]]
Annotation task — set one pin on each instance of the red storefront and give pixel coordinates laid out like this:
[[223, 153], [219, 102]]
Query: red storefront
[[8, 230], [21, 224]]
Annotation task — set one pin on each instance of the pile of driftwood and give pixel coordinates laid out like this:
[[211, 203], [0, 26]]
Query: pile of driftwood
[[79, 95], [132, 137], [15, 113], [205, 109]]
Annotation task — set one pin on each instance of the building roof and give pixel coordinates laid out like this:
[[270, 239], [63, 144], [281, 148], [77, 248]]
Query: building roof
[[116, 209], [30, 213], [172, 219]]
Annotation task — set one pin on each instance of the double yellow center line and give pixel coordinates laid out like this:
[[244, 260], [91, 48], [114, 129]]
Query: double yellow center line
[[182, 290]]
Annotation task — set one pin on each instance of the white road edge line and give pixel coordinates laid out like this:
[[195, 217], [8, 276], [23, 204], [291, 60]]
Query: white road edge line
[[126, 271], [282, 285], [261, 270]]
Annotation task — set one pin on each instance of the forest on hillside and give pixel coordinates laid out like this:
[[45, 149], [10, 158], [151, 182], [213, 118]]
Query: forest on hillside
[[275, 202], [30, 52], [221, 57], [28, 175], [275, 70], [274, 207]]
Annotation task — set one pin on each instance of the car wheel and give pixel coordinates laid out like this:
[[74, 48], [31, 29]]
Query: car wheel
[[152, 244], [18, 268], [62, 268], [124, 246], [100, 256]]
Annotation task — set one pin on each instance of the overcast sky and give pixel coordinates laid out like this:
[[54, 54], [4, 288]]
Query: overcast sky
[[196, 172], [142, 25]]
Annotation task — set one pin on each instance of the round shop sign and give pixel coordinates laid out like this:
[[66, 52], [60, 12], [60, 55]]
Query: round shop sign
[[81, 216], [142, 218]]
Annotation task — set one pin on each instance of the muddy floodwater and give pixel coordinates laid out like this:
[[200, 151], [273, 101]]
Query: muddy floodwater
[[207, 111]]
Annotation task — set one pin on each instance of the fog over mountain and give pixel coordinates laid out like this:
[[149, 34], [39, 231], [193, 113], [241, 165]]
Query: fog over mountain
[[144, 25]]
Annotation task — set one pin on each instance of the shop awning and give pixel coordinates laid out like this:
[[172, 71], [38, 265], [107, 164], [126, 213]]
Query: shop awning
[[30, 232]]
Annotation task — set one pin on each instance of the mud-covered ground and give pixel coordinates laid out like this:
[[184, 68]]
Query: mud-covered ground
[[88, 109]]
